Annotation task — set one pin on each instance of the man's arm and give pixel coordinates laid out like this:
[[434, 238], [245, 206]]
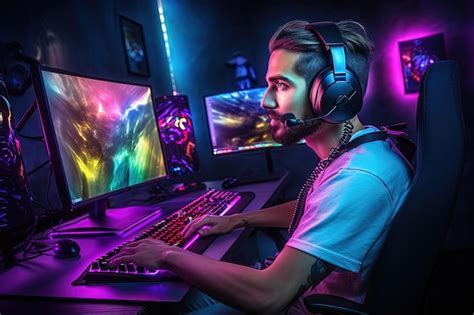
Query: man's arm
[[263, 291], [277, 216]]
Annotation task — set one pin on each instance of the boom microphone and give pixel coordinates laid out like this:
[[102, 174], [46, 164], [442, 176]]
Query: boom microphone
[[290, 120]]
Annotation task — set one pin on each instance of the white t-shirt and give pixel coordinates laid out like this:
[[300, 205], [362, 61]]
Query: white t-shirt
[[348, 213]]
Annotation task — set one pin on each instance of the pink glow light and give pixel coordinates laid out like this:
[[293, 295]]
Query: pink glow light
[[390, 52], [369, 92]]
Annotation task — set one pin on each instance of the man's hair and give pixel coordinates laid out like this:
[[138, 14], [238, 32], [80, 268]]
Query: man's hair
[[294, 37]]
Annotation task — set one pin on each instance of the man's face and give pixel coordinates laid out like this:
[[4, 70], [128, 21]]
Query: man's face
[[287, 92]]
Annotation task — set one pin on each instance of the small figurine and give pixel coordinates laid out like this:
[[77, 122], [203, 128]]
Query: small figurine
[[244, 73]]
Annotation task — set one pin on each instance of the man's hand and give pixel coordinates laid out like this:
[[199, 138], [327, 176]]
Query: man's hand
[[146, 253], [211, 224]]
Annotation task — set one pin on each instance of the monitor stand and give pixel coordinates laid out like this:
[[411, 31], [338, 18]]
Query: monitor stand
[[269, 176], [102, 221]]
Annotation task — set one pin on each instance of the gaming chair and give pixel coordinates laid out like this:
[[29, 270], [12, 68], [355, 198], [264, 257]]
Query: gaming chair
[[401, 275]]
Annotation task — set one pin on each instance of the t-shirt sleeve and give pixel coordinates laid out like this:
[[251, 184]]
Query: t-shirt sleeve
[[343, 218]]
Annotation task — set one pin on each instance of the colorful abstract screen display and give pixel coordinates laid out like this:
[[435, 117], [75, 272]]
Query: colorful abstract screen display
[[106, 134], [237, 122], [176, 129], [416, 56]]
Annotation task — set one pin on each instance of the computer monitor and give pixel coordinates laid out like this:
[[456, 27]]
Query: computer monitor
[[237, 123], [102, 139]]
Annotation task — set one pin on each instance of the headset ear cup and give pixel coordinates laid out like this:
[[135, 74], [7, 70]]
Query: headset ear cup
[[317, 90], [354, 105], [312, 97], [339, 100]]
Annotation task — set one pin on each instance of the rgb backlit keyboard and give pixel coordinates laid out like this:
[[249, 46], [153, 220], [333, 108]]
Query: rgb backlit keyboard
[[168, 230]]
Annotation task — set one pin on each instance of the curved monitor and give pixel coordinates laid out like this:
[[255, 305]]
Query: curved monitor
[[102, 135], [237, 122]]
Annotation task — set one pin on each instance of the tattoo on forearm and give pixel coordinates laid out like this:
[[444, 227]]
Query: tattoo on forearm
[[319, 270]]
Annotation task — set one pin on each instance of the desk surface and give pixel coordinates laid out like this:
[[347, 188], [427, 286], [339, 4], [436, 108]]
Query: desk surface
[[48, 277]]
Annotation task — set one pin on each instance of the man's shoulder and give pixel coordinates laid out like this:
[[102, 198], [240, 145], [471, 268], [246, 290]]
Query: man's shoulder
[[377, 159]]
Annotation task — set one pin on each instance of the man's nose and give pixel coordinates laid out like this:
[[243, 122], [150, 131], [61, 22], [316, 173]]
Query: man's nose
[[268, 101]]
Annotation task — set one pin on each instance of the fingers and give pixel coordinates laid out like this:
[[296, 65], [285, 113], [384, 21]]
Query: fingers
[[133, 244], [131, 248], [124, 259], [208, 230], [190, 224], [124, 252], [140, 242], [141, 253], [192, 227]]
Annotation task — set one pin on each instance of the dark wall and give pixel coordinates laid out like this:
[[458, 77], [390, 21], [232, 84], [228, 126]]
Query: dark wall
[[204, 34], [84, 37]]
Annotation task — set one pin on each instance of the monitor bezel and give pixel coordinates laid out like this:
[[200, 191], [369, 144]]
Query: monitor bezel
[[279, 147], [53, 147]]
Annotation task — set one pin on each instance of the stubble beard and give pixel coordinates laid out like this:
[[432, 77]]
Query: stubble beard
[[292, 135]]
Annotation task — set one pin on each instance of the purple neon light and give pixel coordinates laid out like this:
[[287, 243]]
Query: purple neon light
[[369, 92], [391, 55]]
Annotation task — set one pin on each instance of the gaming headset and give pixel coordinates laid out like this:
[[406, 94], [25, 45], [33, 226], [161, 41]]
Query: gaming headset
[[335, 94]]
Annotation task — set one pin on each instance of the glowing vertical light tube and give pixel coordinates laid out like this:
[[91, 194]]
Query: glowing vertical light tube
[[167, 45]]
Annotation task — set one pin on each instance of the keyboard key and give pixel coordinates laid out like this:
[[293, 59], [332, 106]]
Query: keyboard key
[[95, 265], [131, 267], [104, 265]]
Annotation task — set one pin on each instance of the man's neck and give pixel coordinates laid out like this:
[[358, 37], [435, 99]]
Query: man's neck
[[328, 135]]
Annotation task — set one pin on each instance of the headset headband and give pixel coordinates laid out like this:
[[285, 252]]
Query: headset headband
[[330, 36]]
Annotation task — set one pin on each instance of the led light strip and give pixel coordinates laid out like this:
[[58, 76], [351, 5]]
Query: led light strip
[[167, 46]]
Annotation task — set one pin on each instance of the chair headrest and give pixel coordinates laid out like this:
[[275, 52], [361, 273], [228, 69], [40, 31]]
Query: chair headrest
[[440, 126]]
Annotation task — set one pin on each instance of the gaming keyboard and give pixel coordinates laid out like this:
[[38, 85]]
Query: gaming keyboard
[[168, 230]]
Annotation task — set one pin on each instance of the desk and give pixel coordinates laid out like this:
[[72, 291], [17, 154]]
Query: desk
[[48, 278]]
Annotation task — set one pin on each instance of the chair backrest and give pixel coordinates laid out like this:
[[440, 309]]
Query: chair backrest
[[402, 272]]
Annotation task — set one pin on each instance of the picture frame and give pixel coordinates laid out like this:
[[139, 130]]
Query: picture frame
[[134, 47], [416, 55]]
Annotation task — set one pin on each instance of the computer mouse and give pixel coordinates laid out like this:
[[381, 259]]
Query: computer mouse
[[230, 182], [66, 248]]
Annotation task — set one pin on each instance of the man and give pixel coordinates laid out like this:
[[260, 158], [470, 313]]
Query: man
[[344, 210]]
